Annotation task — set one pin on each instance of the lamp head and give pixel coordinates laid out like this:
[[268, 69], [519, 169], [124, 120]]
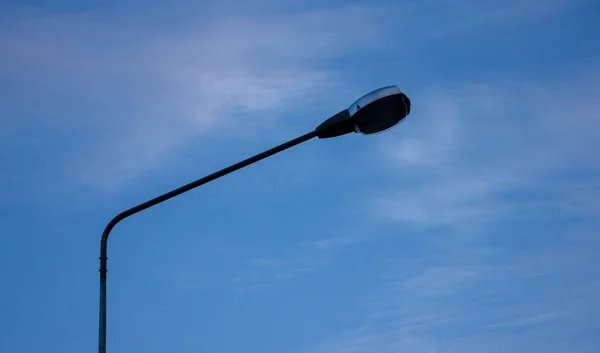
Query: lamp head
[[372, 113]]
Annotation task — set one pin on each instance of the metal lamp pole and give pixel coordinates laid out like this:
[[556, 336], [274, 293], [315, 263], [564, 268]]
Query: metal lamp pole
[[375, 112]]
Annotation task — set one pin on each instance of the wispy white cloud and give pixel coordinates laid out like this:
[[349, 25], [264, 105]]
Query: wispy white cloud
[[150, 92], [159, 90], [496, 183], [336, 242], [474, 149], [531, 320], [452, 18], [470, 298], [299, 260], [261, 273], [476, 156]]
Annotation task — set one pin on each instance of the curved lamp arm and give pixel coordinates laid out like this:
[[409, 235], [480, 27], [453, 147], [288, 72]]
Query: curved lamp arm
[[155, 201]]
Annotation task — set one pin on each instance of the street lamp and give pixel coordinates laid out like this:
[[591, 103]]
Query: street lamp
[[372, 113]]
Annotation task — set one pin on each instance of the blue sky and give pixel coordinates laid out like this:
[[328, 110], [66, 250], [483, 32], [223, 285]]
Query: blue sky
[[471, 227]]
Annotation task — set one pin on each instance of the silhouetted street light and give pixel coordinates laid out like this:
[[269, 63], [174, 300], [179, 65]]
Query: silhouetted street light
[[372, 113]]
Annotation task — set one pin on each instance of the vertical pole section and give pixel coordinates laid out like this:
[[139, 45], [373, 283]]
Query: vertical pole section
[[102, 331], [165, 197]]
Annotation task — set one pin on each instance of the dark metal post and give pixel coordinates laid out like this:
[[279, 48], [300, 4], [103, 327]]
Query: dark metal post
[[155, 201]]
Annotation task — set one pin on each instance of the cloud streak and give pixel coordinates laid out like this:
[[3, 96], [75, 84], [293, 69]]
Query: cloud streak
[[150, 92], [466, 302], [262, 273], [165, 89], [476, 148], [495, 184], [474, 157]]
